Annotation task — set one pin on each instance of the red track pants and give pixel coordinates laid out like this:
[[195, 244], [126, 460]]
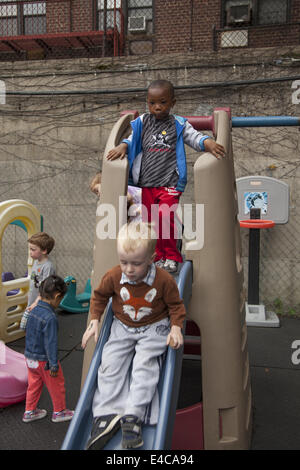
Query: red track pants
[[164, 218], [37, 377]]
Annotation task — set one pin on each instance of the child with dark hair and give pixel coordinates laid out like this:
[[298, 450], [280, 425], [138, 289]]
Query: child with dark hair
[[41, 353], [157, 164]]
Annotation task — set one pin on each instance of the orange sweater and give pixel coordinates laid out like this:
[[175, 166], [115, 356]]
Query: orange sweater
[[139, 304]]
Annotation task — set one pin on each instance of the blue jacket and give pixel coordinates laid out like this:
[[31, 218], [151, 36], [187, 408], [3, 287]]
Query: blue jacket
[[186, 134], [41, 335]]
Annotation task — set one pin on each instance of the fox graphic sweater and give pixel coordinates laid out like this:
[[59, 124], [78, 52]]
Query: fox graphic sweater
[[139, 304]]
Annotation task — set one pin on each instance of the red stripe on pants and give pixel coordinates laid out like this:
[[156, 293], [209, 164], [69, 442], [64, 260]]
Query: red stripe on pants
[[166, 247], [55, 385]]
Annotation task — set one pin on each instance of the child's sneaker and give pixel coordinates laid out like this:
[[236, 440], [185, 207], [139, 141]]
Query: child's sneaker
[[33, 415], [160, 263], [131, 432], [171, 265], [60, 416], [104, 427]]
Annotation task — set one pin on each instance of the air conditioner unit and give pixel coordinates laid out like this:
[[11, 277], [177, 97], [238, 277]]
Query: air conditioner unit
[[137, 24], [238, 12]]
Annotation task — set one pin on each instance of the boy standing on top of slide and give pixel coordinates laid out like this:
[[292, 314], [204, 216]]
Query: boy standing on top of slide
[[157, 163]]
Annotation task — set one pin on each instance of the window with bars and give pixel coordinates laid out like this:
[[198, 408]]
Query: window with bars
[[109, 13], [255, 12], [140, 13], [20, 18]]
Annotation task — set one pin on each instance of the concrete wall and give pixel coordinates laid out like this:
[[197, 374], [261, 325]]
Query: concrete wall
[[52, 144]]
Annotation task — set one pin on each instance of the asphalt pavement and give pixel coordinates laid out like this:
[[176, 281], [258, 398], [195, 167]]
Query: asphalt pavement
[[275, 381]]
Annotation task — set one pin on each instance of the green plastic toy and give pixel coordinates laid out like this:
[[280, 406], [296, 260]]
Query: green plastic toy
[[73, 303]]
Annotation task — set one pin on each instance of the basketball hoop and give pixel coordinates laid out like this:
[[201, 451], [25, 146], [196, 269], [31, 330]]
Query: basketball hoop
[[257, 223]]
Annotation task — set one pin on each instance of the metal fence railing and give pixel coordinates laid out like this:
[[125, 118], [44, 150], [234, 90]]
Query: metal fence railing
[[53, 29]]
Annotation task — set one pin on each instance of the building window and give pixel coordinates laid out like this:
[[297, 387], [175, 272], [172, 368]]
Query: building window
[[140, 14], [245, 13], [22, 18], [111, 10], [8, 19], [272, 12], [34, 15]]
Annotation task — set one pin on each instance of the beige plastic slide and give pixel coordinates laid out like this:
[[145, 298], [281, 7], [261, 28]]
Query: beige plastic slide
[[114, 182], [218, 301], [13, 306]]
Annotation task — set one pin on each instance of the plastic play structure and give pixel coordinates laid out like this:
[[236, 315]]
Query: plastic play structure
[[76, 303], [13, 376], [155, 437], [263, 203], [8, 276], [12, 306], [211, 284]]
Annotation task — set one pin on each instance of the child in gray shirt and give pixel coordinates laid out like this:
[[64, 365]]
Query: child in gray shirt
[[40, 245]]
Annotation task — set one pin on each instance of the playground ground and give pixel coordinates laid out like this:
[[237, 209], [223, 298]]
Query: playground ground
[[275, 389]]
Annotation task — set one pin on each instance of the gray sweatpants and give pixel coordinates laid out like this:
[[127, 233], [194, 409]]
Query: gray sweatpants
[[130, 369]]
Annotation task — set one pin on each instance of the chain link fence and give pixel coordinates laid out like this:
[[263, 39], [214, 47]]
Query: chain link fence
[[274, 154], [68, 212], [52, 145]]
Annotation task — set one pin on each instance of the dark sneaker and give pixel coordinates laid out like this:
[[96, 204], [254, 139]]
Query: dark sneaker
[[33, 415], [131, 432], [104, 427]]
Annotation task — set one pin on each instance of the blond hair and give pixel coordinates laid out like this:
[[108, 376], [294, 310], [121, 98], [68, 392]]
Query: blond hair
[[137, 234]]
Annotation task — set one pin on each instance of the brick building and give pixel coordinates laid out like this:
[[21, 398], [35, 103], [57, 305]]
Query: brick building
[[38, 29], [218, 24]]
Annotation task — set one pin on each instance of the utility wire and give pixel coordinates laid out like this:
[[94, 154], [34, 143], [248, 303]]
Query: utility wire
[[229, 83]]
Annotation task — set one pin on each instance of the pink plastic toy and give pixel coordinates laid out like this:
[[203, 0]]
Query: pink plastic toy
[[13, 376]]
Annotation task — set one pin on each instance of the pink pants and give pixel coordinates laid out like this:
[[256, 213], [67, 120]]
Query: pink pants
[[165, 220], [37, 377]]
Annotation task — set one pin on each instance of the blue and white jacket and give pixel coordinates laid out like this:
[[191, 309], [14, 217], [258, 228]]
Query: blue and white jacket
[[186, 134]]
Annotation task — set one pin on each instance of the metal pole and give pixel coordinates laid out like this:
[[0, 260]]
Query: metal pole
[[253, 261], [265, 121]]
